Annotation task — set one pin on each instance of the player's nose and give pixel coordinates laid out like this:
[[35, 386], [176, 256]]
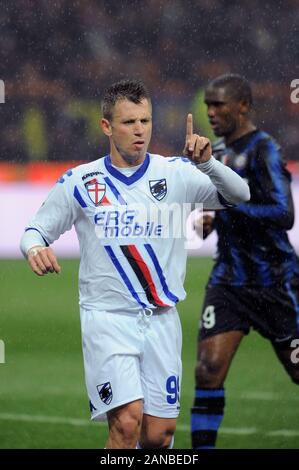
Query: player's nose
[[211, 111], [138, 128]]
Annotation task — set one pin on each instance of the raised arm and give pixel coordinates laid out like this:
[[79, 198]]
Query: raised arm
[[231, 188], [197, 148]]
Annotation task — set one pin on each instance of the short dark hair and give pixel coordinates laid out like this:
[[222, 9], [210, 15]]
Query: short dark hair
[[132, 90], [236, 86]]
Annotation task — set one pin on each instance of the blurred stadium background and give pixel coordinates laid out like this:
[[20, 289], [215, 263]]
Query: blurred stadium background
[[55, 60]]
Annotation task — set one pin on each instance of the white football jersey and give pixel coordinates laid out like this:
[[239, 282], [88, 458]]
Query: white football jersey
[[131, 254]]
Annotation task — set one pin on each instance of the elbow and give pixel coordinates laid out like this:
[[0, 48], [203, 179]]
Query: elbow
[[247, 194], [245, 197], [242, 196], [283, 218], [287, 220], [236, 197]]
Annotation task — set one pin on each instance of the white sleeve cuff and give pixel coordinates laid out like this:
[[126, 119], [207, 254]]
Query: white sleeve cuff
[[31, 237]]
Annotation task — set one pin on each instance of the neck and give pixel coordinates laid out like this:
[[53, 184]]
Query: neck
[[122, 162], [125, 161], [244, 129]]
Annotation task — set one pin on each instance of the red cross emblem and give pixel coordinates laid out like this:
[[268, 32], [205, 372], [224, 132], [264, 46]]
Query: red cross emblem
[[96, 191]]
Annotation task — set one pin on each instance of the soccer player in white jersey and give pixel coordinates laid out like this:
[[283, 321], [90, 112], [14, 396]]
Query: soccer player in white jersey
[[132, 269]]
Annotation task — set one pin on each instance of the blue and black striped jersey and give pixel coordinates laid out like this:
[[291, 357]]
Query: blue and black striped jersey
[[253, 246]]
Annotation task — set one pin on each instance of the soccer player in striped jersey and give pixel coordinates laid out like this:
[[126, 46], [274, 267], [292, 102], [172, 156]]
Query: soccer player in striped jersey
[[132, 263], [255, 278]]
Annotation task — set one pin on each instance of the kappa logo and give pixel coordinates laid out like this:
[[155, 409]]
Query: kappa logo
[[105, 392], [96, 191], [91, 407], [158, 188], [93, 173]]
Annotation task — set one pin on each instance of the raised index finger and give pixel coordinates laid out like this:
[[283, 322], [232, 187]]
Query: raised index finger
[[189, 127]]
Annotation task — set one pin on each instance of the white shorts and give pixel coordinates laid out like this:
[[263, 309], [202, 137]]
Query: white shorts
[[129, 357]]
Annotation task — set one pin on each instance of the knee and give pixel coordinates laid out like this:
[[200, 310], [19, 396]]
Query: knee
[[209, 372], [157, 439], [125, 430], [128, 428]]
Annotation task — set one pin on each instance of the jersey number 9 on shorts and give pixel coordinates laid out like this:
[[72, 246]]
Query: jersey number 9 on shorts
[[173, 389], [209, 317]]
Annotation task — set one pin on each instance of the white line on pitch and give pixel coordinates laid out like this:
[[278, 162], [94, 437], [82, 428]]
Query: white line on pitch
[[284, 433], [223, 430], [265, 396], [45, 419], [180, 427]]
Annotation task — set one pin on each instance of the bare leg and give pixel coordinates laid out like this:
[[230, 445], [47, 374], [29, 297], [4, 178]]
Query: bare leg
[[125, 425], [214, 358], [156, 432]]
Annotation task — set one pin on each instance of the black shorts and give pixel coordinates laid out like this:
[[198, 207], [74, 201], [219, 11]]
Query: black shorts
[[272, 311]]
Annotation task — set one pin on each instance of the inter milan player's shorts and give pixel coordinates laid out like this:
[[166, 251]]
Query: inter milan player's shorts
[[129, 357], [272, 311]]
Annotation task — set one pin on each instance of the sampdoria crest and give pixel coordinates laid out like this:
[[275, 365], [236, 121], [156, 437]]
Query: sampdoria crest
[[158, 188], [105, 392]]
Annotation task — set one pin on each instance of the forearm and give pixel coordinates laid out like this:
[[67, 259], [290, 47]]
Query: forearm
[[31, 238], [277, 214], [228, 183]]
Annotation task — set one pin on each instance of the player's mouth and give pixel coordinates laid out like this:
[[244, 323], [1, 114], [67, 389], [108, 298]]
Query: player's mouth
[[216, 127], [213, 124], [138, 144]]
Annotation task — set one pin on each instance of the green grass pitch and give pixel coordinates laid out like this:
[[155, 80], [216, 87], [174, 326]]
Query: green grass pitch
[[43, 403]]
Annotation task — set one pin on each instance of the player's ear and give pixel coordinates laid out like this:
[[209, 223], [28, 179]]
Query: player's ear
[[244, 107], [106, 127]]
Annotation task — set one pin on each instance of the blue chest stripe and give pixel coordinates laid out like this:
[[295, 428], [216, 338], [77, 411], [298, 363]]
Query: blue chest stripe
[[79, 198], [123, 275], [115, 191], [154, 258]]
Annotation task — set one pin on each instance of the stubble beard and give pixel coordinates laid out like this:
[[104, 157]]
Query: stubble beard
[[132, 159]]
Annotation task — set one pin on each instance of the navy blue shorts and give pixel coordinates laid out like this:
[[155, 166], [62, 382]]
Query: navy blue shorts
[[272, 311]]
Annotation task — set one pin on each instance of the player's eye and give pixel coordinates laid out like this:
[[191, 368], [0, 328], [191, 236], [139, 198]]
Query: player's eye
[[215, 104]]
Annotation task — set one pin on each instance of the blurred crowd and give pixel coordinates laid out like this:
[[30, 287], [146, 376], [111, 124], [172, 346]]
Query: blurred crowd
[[57, 57]]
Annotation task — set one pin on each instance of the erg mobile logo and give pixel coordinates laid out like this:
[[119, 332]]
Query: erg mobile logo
[[139, 221]]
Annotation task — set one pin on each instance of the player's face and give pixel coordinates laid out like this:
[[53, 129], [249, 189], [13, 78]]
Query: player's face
[[223, 111], [130, 131]]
